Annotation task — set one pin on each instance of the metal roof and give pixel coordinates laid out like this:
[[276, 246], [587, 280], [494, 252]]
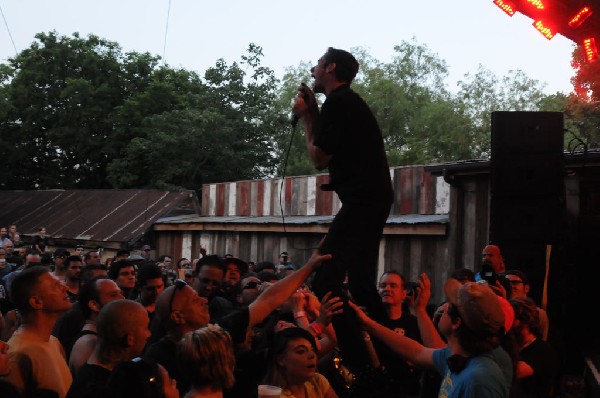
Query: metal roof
[[101, 216]]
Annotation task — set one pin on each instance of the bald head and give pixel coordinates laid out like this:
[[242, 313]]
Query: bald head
[[492, 255], [119, 318]]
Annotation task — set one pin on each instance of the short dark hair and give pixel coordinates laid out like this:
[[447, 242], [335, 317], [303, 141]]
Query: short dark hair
[[23, 287], [115, 268], [71, 259], [212, 261], [86, 272], [122, 252], [346, 66], [148, 271], [87, 293], [130, 379]]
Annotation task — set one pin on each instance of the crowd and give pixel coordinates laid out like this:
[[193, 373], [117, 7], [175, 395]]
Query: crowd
[[220, 326], [73, 326]]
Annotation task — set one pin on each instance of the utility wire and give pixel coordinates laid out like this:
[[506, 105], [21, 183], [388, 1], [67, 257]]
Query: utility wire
[[8, 30], [166, 32]]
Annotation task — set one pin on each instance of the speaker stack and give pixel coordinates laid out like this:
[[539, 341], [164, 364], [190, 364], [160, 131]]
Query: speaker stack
[[527, 190]]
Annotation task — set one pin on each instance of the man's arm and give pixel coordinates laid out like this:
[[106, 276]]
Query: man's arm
[[280, 291], [405, 347]]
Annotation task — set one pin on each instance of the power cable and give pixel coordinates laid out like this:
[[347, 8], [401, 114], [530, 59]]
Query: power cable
[[166, 32], [8, 30]]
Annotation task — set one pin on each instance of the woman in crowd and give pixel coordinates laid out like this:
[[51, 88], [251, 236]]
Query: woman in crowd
[[292, 365], [206, 361]]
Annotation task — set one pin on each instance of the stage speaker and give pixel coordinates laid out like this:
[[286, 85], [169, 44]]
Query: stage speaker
[[526, 177]]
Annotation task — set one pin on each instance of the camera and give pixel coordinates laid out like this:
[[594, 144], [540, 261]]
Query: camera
[[411, 288], [487, 273]]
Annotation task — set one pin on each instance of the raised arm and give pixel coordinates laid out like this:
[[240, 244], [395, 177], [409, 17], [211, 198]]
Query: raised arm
[[402, 345], [280, 291], [429, 333]]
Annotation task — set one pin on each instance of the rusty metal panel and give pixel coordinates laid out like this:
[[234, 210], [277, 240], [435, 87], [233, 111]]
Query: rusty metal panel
[[427, 193], [243, 198], [119, 217]]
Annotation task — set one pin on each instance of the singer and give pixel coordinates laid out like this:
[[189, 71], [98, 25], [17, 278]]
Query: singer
[[344, 137]]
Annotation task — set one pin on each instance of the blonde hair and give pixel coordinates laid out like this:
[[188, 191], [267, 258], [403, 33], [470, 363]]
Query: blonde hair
[[206, 357]]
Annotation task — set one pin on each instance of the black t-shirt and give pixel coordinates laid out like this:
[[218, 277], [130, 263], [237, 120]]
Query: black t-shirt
[[90, 381], [68, 327], [403, 376], [347, 129], [542, 357]]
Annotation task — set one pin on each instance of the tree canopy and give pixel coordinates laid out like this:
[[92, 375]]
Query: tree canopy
[[80, 113]]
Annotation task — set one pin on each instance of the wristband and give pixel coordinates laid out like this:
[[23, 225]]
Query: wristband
[[317, 328], [299, 314]]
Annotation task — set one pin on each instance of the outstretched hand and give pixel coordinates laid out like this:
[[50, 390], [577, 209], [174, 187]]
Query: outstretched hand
[[329, 307], [360, 314]]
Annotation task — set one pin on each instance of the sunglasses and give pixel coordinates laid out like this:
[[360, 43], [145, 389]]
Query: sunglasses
[[252, 285], [179, 284]]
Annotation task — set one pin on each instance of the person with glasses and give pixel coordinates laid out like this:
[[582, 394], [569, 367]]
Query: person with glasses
[[180, 309], [122, 327], [60, 266], [520, 288]]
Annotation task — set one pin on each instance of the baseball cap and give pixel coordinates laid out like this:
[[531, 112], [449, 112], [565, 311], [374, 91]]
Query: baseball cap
[[61, 252], [242, 265], [477, 305], [136, 257]]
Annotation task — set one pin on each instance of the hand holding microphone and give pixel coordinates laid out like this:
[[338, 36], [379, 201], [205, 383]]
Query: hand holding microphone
[[302, 103]]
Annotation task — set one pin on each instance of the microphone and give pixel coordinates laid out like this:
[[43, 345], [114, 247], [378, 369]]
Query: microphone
[[294, 121], [295, 118]]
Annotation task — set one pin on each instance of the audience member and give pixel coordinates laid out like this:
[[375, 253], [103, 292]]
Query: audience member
[[40, 240], [150, 285], [472, 323], [123, 272], [141, 378], [206, 361], [122, 327], [60, 266], [73, 265], [70, 323], [93, 297], [520, 288], [537, 368], [292, 365], [91, 257], [37, 359]]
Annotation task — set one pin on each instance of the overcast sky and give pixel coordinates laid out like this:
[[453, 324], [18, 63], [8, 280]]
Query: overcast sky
[[464, 33]]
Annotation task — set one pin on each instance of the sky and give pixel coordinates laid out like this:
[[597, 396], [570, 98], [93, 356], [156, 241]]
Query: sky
[[194, 34]]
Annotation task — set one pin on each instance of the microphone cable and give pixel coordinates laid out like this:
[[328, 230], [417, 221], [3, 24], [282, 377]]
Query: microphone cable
[[285, 162]]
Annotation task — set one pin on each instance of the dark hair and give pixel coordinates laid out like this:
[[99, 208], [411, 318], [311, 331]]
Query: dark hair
[[261, 266], [72, 259], [394, 272], [86, 273], [463, 274], [23, 287], [122, 252], [527, 312], [212, 261], [346, 66], [138, 378], [115, 268], [87, 293], [147, 272], [278, 348], [518, 273]]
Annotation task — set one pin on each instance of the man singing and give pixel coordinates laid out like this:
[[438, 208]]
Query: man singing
[[345, 137]]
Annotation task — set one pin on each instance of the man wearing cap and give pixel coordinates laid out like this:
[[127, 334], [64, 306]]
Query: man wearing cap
[[60, 268], [473, 322]]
